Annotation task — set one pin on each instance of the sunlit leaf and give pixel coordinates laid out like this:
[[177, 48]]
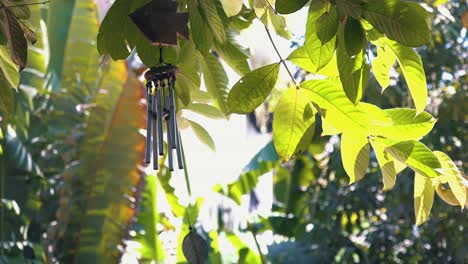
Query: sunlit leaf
[[355, 154], [386, 163], [416, 155], [232, 7], [206, 110], [382, 64], [423, 198], [405, 22], [252, 89], [202, 135], [216, 81], [453, 176], [294, 114], [319, 53]]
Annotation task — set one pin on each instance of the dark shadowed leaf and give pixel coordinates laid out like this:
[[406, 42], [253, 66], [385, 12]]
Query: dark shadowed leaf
[[16, 40], [289, 6], [195, 248]]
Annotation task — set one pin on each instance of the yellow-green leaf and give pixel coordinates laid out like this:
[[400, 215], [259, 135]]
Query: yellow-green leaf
[[355, 154], [416, 155], [387, 165], [453, 177], [232, 7], [202, 134], [250, 91], [294, 115], [206, 110], [423, 198], [381, 66], [216, 81]]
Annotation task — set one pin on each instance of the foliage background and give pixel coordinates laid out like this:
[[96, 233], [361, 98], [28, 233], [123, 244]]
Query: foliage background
[[71, 205]]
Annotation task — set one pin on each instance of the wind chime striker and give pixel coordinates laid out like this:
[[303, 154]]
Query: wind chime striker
[[161, 25]]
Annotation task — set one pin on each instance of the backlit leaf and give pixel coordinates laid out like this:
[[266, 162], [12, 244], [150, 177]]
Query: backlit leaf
[[216, 81], [202, 135], [327, 25], [386, 163], [232, 7], [453, 176], [293, 116], [354, 38], [206, 110], [405, 22], [252, 89], [382, 64], [423, 198], [416, 155], [355, 154]]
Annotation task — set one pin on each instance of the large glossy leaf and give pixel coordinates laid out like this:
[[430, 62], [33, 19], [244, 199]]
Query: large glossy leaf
[[381, 66], [301, 58], [288, 6], [252, 89], [110, 160], [327, 25], [386, 163], [263, 162], [423, 198], [148, 220], [234, 55], [293, 116], [338, 110], [453, 176], [319, 53], [206, 110], [202, 135], [354, 38], [405, 22], [216, 81], [412, 68], [416, 155], [355, 154], [203, 39], [354, 71]]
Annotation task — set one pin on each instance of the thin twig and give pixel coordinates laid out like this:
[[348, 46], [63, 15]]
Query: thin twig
[[281, 58], [271, 6], [28, 4], [262, 257]]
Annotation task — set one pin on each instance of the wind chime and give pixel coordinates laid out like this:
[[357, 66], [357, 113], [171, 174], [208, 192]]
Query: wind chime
[[161, 24]]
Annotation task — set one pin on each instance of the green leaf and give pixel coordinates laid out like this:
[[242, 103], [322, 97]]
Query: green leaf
[[453, 176], [9, 68], [203, 39], [416, 155], [288, 6], [234, 55], [232, 7], [202, 134], [354, 38], [206, 110], [320, 54], [339, 111], [148, 219], [212, 19], [216, 81], [423, 198], [406, 125], [327, 25], [328, 129], [293, 116], [14, 34], [6, 97], [263, 162], [405, 22], [279, 24], [412, 68], [18, 155], [252, 89], [164, 176], [386, 163], [381, 66], [301, 58], [355, 154]]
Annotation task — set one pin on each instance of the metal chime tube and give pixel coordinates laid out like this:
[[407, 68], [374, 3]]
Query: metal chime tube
[[149, 118], [172, 113], [155, 133], [176, 128], [160, 117], [168, 114]]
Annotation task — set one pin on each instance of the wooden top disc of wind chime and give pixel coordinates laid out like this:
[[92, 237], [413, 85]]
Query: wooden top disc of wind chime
[[161, 24]]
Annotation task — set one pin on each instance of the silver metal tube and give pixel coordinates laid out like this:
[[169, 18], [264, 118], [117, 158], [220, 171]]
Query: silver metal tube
[[169, 136], [149, 118], [160, 119], [155, 135], [173, 114]]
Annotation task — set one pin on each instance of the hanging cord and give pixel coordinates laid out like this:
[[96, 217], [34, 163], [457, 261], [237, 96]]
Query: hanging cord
[[187, 181], [161, 59], [2, 204]]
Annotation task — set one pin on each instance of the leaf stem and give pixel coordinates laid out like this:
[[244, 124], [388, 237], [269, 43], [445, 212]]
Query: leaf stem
[[280, 57], [262, 257]]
